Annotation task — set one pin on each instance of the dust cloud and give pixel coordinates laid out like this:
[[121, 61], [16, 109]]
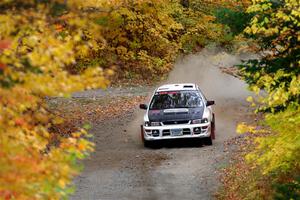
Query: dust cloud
[[228, 92]]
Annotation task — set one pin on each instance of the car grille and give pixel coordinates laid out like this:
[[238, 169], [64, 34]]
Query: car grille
[[175, 122], [166, 132], [186, 131]]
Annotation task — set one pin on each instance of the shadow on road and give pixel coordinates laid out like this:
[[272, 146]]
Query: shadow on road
[[179, 143]]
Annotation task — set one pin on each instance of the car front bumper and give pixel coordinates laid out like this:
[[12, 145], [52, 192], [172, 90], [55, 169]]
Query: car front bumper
[[166, 132]]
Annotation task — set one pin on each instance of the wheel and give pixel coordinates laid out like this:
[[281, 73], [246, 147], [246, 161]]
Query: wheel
[[208, 141], [148, 144]]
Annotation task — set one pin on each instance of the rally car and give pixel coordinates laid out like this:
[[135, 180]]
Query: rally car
[[178, 111]]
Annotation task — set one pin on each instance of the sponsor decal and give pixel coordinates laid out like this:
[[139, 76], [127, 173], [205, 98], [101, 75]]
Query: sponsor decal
[[168, 92], [154, 111]]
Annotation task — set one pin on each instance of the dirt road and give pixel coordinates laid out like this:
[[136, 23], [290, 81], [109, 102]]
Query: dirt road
[[121, 168]]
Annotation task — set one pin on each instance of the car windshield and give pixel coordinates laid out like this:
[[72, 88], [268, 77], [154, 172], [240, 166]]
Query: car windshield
[[176, 99]]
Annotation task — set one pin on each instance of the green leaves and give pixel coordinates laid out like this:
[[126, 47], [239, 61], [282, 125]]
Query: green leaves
[[277, 29], [275, 77]]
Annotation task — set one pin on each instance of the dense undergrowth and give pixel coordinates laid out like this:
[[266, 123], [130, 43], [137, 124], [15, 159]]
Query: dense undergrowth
[[54, 47]]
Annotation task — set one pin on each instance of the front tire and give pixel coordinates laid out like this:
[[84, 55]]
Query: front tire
[[148, 144], [208, 141]]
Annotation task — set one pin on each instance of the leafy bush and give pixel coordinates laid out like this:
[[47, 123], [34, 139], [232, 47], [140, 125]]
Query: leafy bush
[[276, 78], [276, 27], [237, 20], [38, 51], [271, 170]]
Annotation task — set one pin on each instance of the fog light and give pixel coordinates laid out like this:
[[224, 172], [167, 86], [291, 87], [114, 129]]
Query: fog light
[[197, 130], [155, 133]]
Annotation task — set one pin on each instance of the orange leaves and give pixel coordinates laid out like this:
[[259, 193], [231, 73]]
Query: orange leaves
[[2, 66], [59, 27], [7, 194], [38, 161], [19, 121], [4, 44]]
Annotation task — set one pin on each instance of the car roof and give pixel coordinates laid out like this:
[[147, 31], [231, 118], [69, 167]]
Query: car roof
[[177, 86]]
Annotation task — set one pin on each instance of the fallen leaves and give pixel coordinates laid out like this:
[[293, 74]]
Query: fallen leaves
[[81, 112]]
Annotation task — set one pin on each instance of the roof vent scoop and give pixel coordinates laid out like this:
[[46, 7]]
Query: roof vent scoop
[[163, 88], [188, 86]]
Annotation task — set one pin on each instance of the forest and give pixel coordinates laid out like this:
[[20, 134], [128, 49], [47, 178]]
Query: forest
[[51, 48]]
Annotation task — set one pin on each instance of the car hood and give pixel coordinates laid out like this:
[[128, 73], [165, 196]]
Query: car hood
[[175, 114]]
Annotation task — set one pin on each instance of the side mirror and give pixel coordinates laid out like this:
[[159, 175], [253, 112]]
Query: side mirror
[[210, 103], [144, 106]]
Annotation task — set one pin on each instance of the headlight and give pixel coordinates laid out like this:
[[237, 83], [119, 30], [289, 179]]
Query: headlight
[[196, 121], [200, 121], [155, 123], [204, 120]]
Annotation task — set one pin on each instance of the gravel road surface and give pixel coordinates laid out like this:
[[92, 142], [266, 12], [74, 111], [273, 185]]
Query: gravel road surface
[[121, 168]]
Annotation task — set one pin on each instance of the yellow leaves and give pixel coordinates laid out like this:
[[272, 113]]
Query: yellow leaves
[[255, 89], [109, 72], [39, 59], [275, 28], [251, 100], [244, 128], [62, 183], [295, 85], [56, 120], [277, 74], [279, 151], [121, 50]]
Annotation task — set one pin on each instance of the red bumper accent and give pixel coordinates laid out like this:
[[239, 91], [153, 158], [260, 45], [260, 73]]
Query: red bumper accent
[[142, 133]]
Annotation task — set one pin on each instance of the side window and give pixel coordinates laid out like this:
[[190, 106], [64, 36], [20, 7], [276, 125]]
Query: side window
[[202, 95]]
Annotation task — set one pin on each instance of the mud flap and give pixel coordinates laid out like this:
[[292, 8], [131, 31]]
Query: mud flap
[[213, 128], [142, 133]]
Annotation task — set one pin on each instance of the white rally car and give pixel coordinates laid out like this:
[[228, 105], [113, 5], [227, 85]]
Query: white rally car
[[178, 111]]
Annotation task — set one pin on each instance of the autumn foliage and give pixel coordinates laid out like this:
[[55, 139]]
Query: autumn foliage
[[54, 47], [38, 53], [272, 166]]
